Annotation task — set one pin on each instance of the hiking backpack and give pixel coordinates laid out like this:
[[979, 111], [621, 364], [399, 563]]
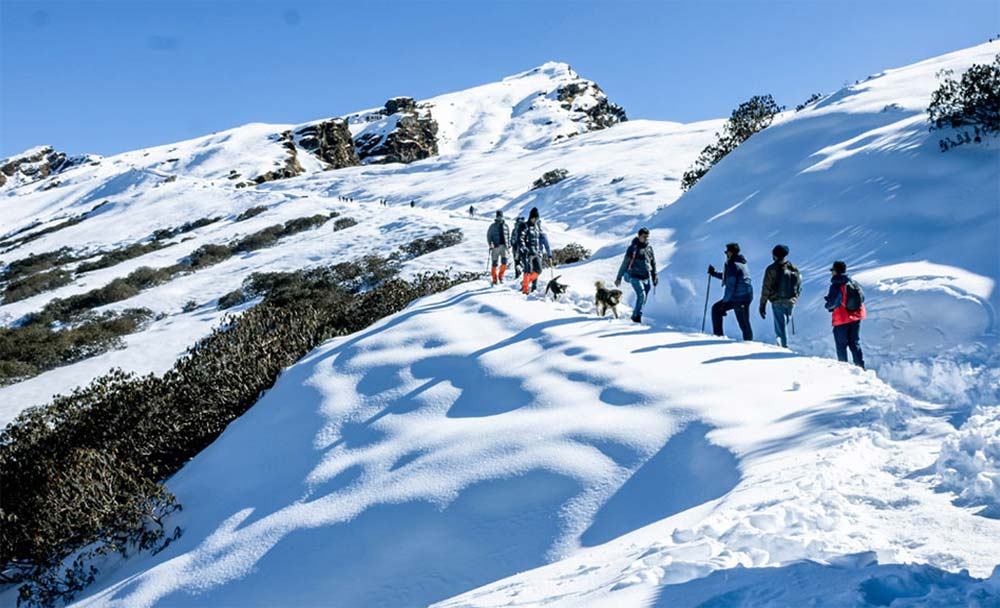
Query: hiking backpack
[[854, 297], [789, 283]]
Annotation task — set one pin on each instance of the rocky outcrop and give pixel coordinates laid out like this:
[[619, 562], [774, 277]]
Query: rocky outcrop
[[592, 103], [331, 141], [404, 132], [290, 168], [37, 163], [549, 178]]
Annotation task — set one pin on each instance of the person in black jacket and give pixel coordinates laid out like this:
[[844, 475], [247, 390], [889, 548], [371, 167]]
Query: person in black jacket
[[640, 266], [738, 292]]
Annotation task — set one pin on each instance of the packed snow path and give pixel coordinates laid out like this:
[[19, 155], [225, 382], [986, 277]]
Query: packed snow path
[[479, 434]]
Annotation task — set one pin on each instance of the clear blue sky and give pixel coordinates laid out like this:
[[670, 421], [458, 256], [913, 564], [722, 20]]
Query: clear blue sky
[[105, 77]]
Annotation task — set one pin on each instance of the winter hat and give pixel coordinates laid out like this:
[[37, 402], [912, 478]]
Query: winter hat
[[534, 213], [839, 267], [780, 251], [499, 213], [643, 231], [734, 247]]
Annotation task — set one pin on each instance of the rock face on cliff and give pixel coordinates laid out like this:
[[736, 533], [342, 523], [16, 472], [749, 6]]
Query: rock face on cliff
[[331, 141], [402, 132], [35, 164], [290, 168], [586, 98]]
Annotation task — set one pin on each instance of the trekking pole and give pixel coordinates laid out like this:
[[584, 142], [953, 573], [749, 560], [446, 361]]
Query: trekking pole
[[704, 313], [791, 318]]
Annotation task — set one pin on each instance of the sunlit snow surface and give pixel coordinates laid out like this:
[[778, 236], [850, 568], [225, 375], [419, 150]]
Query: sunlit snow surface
[[483, 449]]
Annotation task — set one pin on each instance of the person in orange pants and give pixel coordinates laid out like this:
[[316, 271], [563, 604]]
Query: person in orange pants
[[498, 238], [534, 243]]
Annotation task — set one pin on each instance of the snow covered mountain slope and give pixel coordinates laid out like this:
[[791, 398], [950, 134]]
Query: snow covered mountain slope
[[419, 459], [858, 177], [485, 449]]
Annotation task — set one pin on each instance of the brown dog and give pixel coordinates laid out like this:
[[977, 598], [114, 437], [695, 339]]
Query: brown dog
[[607, 298]]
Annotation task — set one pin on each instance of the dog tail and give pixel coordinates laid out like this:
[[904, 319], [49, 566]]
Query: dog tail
[[599, 284]]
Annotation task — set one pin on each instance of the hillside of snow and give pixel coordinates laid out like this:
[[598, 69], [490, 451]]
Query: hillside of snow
[[485, 449]]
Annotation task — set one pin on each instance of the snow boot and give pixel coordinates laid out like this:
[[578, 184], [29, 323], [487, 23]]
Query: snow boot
[[503, 269], [526, 283], [637, 318], [493, 273]]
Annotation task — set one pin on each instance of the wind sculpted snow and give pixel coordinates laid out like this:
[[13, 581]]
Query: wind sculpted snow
[[419, 460]]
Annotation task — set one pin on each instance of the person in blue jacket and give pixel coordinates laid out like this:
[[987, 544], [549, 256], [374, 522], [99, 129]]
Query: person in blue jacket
[[738, 292]]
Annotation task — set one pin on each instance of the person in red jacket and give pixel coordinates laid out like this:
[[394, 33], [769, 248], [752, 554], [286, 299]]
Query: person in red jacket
[[847, 303]]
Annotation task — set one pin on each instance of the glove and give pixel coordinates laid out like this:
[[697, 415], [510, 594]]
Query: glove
[[711, 269], [763, 312], [618, 282]]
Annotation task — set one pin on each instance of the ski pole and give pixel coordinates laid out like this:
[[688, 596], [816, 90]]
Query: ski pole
[[708, 288]]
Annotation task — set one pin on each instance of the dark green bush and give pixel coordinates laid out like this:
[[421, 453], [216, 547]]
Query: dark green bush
[[167, 233], [421, 246], [119, 255], [344, 222], [812, 99], [36, 284], [251, 212], [750, 117], [127, 434], [35, 263], [970, 105], [32, 348], [208, 255], [570, 254]]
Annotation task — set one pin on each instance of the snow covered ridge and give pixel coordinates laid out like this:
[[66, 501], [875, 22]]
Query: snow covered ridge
[[858, 177], [38, 163]]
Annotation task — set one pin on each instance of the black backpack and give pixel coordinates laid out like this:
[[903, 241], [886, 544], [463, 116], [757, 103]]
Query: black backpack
[[855, 297], [789, 282]]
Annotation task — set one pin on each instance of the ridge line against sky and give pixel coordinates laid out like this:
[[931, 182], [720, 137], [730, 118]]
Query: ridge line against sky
[[106, 76]]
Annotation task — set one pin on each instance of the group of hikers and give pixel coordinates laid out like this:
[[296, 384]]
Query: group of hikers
[[528, 243], [781, 287]]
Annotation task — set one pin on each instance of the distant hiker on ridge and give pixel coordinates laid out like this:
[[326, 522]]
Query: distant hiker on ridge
[[739, 292], [472, 211], [846, 301], [781, 287], [498, 238], [515, 238], [640, 265], [533, 243]]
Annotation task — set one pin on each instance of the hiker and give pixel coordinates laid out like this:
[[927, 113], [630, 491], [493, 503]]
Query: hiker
[[533, 243], [498, 238], [781, 287], [846, 301], [515, 238], [472, 211], [413, 204], [738, 292], [640, 265]]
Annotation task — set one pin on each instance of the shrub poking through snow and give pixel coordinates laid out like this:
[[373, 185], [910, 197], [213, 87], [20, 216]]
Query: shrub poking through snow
[[36, 284], [970, 105], [549, 178], [570, 254], [168, 233], [812, 99], [115, 441], [32, 348], [750, 117], [120, 255], [251, 212]]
